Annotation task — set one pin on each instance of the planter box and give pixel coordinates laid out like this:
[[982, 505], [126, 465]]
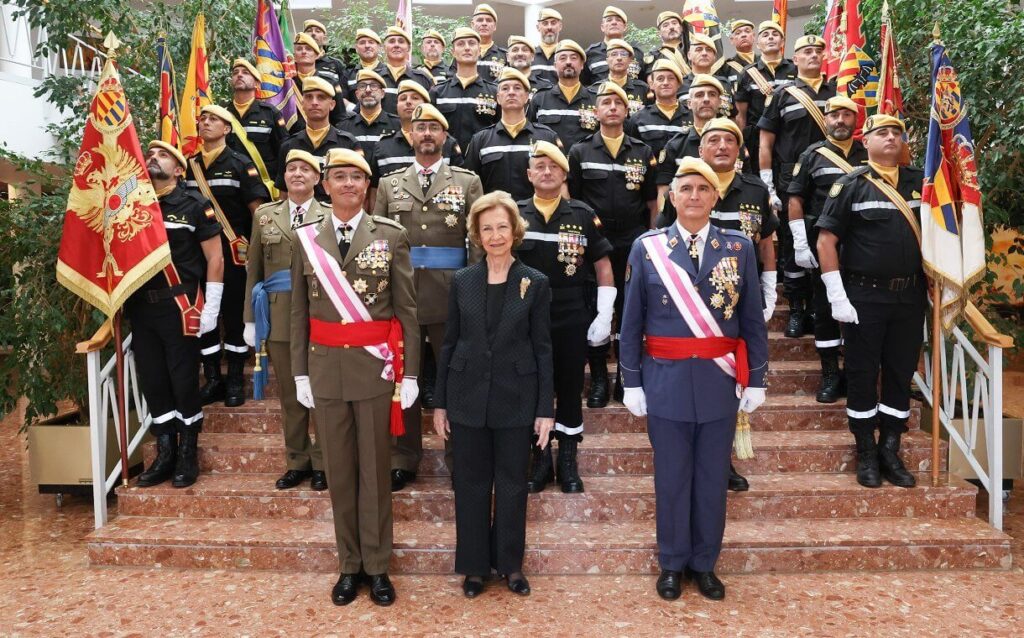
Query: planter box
[[1013, 447]]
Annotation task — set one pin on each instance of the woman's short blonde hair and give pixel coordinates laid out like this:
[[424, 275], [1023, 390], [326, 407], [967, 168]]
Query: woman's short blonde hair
[[496, 199]]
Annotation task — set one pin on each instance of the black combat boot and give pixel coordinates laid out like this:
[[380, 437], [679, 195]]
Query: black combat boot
[[568, 473], [234, 394], [598, 397], [163, 465], [889, 459], [867, 460], [831, 378], [542, 471], [186, 470], [213, 389], [798, 316]]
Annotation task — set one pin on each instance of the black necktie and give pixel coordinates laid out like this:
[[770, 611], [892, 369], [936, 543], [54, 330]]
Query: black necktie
[[343, 243], [694, 255]]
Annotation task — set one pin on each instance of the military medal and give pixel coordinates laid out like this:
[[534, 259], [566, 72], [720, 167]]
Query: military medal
[[588, 117], [264, 220], [370, 298], [634, 171], [714, 243], [451, 220], [382, 285], [359, 285], [486, 104]]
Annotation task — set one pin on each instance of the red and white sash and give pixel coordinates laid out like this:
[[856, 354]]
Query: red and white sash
[[686, 298], [340, 292]]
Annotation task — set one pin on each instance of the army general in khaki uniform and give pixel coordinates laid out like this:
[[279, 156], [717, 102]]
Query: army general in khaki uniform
[[431, 199], [353, 305], [269, 283]]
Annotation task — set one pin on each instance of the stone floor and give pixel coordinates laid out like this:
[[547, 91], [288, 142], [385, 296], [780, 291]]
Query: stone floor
[[48, 589]]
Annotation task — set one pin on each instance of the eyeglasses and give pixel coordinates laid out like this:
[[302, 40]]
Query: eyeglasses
[[619, 53], [367, 86]]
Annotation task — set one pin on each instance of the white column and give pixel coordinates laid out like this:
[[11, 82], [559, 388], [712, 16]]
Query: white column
[[531, 12]]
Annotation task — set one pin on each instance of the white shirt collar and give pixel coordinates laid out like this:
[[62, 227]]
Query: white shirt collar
[[352, 223], [702, 234], [305, 206], [434, 168]]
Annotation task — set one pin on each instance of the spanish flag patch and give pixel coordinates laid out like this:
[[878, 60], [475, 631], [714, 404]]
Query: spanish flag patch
[[252, 171], [210, 214]]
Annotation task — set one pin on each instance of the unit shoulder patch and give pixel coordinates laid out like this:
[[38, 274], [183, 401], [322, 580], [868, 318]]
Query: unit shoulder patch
[[835, 190]]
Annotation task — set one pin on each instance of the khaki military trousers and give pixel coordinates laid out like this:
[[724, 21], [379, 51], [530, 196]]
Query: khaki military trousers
[[303, 453]]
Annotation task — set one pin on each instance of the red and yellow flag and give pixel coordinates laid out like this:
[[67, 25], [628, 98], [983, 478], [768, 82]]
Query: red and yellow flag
[[197, 89], [779, 10], [168, 96], [842, 32], [890, 95], [114, 238]]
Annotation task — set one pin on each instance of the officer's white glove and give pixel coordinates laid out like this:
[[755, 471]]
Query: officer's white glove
[[773, 198], [752, 399], [802, 254], [769, 281], [249, 334], [842, 309], [211, 308], [408, 392], [635, 401], [303, 392], [601, 328]]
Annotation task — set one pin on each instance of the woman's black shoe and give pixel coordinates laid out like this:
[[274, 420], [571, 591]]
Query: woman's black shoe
[[517, 584], [473, 586]]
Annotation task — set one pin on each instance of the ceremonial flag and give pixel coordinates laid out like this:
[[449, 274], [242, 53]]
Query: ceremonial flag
[[779, 10], [858, 80], [842, 31], [274, 64], [114, 238], [701, 16], [952, 239], [403, 17], [284, 23], [168, 96], [890, 96], [197, 89]]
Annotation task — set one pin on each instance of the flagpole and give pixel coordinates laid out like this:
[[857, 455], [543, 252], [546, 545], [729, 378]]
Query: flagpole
[[937, 352]]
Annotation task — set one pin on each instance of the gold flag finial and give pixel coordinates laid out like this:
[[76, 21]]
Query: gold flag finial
[[936, 33], [111, 42]]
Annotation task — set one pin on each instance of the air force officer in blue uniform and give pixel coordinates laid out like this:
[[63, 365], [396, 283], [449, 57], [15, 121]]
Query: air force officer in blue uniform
[[692, 333]]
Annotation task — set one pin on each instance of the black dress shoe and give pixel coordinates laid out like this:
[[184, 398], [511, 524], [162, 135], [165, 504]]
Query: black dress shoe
[[669, 584], [382, 592], [517, 584], [345, 589], [400, 477], [291, 478], [737, 483], [473, 586], [707, 584], [318, 481]]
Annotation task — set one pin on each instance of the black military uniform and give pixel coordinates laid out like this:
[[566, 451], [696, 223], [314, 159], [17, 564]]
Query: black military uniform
[[167, 360], [795, 129], [618, 189], [573, 120], [687, 144], [880, 261], [367, 134], [813, 177], [335, 138], [352, 77], [750, 92], [637, 91], [654, 128], [439, 71], [732, 67], [543, 66], [490, 64], [395, 153], [234, 183], [331, 69], [728, 108], [501, 160], [667, 52], [265, 128], [419, 76], [595, 69], [468, 109]]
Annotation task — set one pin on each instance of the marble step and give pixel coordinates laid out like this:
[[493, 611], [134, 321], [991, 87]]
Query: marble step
[[750, 546], [600, 454], [607, 499]]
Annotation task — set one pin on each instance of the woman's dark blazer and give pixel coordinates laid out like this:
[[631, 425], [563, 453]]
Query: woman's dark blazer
[[504, 381]]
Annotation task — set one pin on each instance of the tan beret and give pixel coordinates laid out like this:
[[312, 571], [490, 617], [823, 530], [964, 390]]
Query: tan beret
[[570, 45], [703, 79], [840, 102], [314, 23], [700, 38], [740, 22], [876, 122], [611, 88], [434, 33], [808, 41], [664, 64], [398, 32], [248, 66], [616, 43], [367, 33], [370, 74], [508, 73], [218, 111], [668, 15], [429, 113], [170, 148], [317, 83], [409, 85], [465, 32], [485, 9], [299, 155], [614, 11], [546, 14], [305, 38], [694, 166], [547, 149], [770, 24], [724, 124], [345, 157], [518, 39]]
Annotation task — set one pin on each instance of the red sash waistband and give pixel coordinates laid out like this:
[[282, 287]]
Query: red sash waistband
[[705, 348]]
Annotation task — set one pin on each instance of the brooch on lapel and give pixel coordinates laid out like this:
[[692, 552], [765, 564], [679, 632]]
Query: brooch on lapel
[[524, 283]]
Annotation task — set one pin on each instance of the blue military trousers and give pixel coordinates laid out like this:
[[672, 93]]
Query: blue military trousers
[[691, 478]]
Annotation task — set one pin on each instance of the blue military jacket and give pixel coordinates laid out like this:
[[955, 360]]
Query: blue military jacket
[[692, 390]]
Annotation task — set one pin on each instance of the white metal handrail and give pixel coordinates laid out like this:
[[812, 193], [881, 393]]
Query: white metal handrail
[[986, 401], [103, 408]]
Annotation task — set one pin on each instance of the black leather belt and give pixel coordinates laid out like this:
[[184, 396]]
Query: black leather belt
[[158, 295], [896, 284]]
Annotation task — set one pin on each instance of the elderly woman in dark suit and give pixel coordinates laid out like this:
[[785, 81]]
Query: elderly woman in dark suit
[[493, 391]]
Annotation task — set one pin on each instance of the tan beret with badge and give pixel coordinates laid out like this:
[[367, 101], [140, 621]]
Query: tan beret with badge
[[668, 15], [305, 38], [664, 64], [396, 31], [695, 166], [740, 22], [518, 39], [770, 25], [170, 148], [570, 45], [248, 66], [700, 38], [508, 73], [465, 32], [617, 43], [840, 102], [549, 150], [219, 112], [317, 83], [435, 34], [805, 41], [546, 14], [610, 11], [429, 113], [299, 155], [337, 157], [367, 33], [370, 74], [409, 85], [314, 23], [485, 9], [703, 79], [611, 88], [723, 124], [876, 122]]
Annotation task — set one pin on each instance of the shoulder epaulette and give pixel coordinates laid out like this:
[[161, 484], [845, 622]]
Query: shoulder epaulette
[[266, 205], [653, 232], [387, 221], [459, 169]]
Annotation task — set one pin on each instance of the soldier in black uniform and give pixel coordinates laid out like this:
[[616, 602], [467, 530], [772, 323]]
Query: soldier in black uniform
[[467, 99], [614, 174], [232, 184], [262, 124], [817, 169], [371, 123], [563, 241], [702, 58], [757, 81], [328, 67], [657, 123], [307, 52], [318, 136], [432, 46], [619, 55], [549, 25], [166, 324], [499, 154], [674, 39], [787, 129], [368, 45], [870, 228], [741, 35], [568, 107], [520, 57], [491, 57], [397, 47], [613, 26]]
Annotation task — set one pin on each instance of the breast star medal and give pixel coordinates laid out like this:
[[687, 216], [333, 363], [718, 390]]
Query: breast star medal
[[359, 285], [451, 220]]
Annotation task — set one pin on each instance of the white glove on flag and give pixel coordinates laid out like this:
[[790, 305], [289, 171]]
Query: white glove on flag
[[211, 309], [751, 399], [842, 310], [802, 254], [303, 392], [249, 334], [601, 328], [409, 391], [769, 281], [635, 401]]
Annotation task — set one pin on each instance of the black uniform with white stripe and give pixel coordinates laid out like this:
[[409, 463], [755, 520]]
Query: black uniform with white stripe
[[753, 93], [395, 153], [654, 128], [335, 138], [265, 128], [543, 66], [419, 76], [468, 108], [573, 119], [565, 248], [595, 69], [167, 361], [637, 92], [501, 160], [880, 260], [368, 133]]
